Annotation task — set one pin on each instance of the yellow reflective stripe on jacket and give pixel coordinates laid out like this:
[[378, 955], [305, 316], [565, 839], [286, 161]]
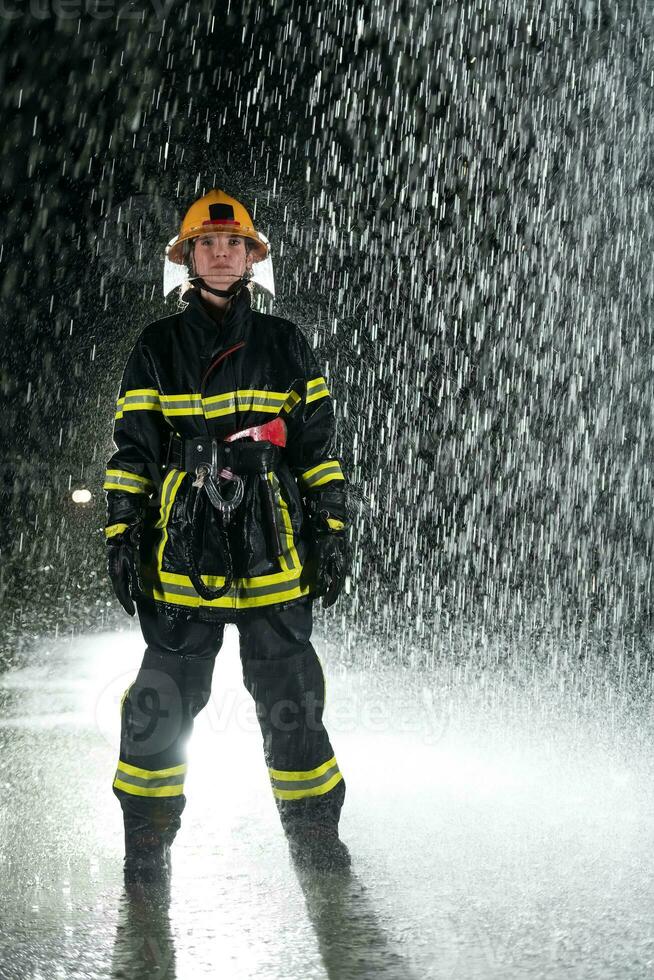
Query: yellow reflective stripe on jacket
[[169, 490], [138, 400], [244, 400], [130, 482], [192, 403], [298, 785], [150, 782], [182, 404], [292, 398], [317, 388], [114, 529], [289, 559], [322, 473], [245, 593]]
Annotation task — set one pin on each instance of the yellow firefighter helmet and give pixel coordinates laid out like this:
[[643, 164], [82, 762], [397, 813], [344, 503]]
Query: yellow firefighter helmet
[[216, 212]]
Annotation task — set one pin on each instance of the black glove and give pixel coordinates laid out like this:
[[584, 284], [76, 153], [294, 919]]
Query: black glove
[[121, 566], [329, 558]]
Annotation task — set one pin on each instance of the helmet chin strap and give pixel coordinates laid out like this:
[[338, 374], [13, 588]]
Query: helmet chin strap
[[225, 293]]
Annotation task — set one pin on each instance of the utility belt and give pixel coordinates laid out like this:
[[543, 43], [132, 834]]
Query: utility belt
[[213, 461], [232, 452], [238, 457]]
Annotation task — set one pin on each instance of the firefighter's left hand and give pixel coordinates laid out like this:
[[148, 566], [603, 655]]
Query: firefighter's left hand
[[331, 561]]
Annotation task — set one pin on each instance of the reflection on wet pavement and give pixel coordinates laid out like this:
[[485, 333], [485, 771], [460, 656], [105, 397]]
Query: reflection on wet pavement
[[496, 830]]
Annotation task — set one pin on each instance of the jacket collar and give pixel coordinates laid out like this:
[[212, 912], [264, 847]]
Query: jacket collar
[[235, 322]]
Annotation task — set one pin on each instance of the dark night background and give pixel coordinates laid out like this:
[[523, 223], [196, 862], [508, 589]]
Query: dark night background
[[458, 198]]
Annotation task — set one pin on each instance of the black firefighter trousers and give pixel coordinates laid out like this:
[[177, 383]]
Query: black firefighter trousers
[[284, 676]]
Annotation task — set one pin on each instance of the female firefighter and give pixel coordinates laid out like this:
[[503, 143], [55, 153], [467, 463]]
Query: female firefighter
[[226, 503]]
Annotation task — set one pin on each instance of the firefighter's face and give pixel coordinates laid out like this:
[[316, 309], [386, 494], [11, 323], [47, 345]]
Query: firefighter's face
[[221, 258]]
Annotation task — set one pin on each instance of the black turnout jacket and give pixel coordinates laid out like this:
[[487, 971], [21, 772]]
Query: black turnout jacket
[[177, 382]]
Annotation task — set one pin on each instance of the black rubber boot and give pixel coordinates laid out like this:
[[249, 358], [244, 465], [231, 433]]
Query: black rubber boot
[[147, 858], [147, 845], [317, 847]]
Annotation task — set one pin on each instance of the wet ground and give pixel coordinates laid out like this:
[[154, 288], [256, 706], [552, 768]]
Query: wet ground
[[499, 825]]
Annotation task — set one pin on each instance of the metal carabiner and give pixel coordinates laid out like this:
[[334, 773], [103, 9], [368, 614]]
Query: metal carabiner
[[201, 474], [226, 505]]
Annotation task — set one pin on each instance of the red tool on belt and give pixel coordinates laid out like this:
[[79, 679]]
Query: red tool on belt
[[274, 432]]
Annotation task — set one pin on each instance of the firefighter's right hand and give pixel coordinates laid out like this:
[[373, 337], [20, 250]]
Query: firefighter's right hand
[[121, 566]]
